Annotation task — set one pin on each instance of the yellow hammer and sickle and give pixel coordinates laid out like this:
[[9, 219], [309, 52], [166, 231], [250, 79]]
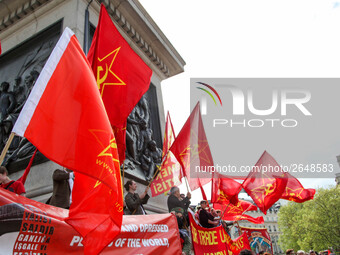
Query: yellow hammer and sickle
[[99, 70], [268, 190]]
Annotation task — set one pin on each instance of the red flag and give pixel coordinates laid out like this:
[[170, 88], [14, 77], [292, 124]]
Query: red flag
[[65, 119], [122, 76], [0, 47], [224, 189], [170, 173], [28, 168], [266, 182], [192, 150], [259, 237], [294, 191], [235, 246], [237, 212]]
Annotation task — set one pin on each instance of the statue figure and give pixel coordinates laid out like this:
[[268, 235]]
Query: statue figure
[[145, 136], [20, 147], [132, 131], [151, 157], [137, 121], [7, 101]]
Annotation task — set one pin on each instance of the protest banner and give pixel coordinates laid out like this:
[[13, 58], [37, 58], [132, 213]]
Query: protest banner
[[237, 245], [30, 227], [170, 175], [215, 241], [207, 241]]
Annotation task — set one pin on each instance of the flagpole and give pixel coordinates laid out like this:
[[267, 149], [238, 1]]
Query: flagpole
[[239, 228], [247, 209], [158, 168], [186, 182], [225, 209], [123, 176], [5, 149]]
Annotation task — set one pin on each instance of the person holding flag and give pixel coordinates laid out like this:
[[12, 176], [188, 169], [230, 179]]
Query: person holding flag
[[133, 200], [175, 200]]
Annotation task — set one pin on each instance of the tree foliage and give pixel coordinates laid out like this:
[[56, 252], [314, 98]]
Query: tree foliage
[[314, 224]]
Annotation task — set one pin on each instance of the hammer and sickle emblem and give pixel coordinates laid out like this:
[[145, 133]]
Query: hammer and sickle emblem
[[99, 70], [269, 189]]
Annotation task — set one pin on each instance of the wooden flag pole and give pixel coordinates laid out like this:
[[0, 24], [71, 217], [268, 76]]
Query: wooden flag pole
[[123, 178], [5, 149], [246, 210], [158, 168], [187, 184], [239, 228]]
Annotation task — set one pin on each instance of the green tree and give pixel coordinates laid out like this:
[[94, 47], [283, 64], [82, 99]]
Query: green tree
[[314, 224]]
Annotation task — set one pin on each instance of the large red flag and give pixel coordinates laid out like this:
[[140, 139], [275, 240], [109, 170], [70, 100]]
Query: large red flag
[[65, 119], [224, 189], [266, 182], [294, 191], [122, 76], [170, 173], [237, 212], [192, 150]]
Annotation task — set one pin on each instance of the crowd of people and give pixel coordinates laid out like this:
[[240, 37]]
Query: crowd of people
[[311, 252], [178, 204]]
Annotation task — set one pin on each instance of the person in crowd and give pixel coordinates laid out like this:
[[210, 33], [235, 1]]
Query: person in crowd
[[300, 252], [214, 213], [62, 188], [246, 252], [175, 200], [266, 253], [261, 253], [6, 183], [183, 229], [290, 252], [311, 252], [206, 219], [134, 202], [197, 213]]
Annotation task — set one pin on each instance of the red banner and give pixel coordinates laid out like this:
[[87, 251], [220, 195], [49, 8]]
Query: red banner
[[208, 240], [170, 175], [215, 241], [237, 245], [30, 227], [259, 239]]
